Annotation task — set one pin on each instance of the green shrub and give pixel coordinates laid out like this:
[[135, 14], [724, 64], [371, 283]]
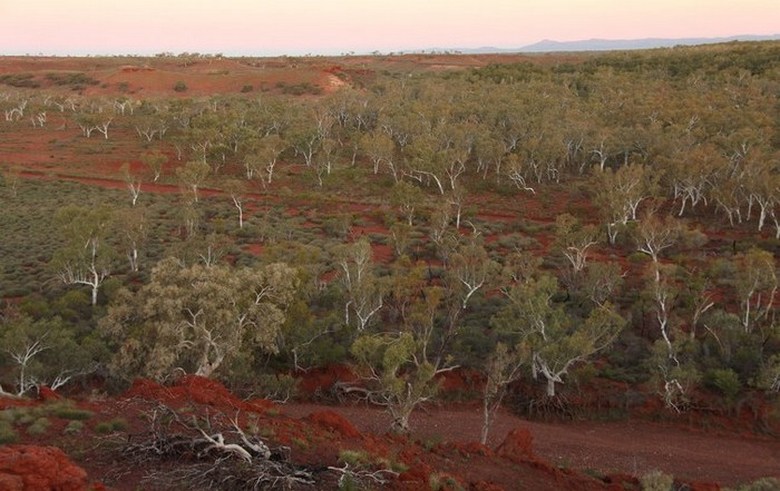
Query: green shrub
[[723, 380], [355, 458], [114, 425], [277, 387], [763, 484], [39, 427], [638, 257], [66, 410], [7, 432], [440, 481], [656, 481], [78, 79], [73, 427], [7, 416]]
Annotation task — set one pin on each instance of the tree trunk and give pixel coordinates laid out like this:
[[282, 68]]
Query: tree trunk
[[486, 421], [550, 387]]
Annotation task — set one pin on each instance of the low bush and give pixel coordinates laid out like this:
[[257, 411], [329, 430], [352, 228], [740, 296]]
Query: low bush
[[7, 432], [112, 426], [73, 428], [39, 427], [66, 410], [656, 481]]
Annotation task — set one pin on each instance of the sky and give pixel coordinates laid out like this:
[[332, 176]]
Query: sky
[[297, 27]]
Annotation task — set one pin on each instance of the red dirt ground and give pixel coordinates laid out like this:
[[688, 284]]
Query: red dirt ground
[[625, 447]]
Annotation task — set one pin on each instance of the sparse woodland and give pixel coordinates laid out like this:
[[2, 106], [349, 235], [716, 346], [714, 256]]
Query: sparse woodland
[[547, 225]]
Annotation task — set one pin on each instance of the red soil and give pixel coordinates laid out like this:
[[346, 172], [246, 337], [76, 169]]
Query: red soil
[[34, 468], [627, 447]]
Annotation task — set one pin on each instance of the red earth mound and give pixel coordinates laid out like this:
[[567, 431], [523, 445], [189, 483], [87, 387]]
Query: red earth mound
[[192, 388], [334, 422], [517, 445], [34, 468]]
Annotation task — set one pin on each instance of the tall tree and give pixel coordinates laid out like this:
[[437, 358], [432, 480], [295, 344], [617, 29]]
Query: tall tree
[[86, 257], [555, 341], [198, 318], [192, 176], [154, 161], [364, 291]]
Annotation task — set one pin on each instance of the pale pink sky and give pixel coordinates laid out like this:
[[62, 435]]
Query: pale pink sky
[[273, 27]]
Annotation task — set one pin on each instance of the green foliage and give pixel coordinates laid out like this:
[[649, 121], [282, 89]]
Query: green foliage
[[76, 79], [112, 426], [198, 317], [39, 427], [7, 432], [40, 351], [67, 410], [355, 458], [439, 481], [763, 484], [20, 80], [555, 340], [723, 380], [656, 481], [301, 88], [397, 376], [73, 428], [276, 387], [607, 122]]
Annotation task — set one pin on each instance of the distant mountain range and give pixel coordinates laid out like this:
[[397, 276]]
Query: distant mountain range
[[548, 46]]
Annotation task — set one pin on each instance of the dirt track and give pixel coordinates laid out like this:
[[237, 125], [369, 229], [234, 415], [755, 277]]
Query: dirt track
[[633, 447]]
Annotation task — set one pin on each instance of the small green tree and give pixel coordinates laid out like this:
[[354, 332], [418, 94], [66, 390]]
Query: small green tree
[[573, 240], [398, 380], [42, 352], [10, 178], [154, 161], [554, 340], [86, 257], [192, 176], [363, 290], [503, 367], [756, 285]]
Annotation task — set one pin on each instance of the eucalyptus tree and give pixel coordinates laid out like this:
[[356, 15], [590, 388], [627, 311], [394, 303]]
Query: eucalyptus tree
[[619, 193], [132, 230], [471, 270], [154, 160], [132, 181], [573, 239], [504, 366], [86, 257], [150, 120], [400, 366], [192, 175], [380, 149], [364, 291], [408, 198], [198, 318], [41, 352], [236, 189], [755, 282], [554, 340]]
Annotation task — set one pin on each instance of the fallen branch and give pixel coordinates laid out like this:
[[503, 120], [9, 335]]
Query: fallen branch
[[211, 455]]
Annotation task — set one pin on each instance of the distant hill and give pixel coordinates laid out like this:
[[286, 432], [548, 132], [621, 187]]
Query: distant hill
[[547, 45]]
